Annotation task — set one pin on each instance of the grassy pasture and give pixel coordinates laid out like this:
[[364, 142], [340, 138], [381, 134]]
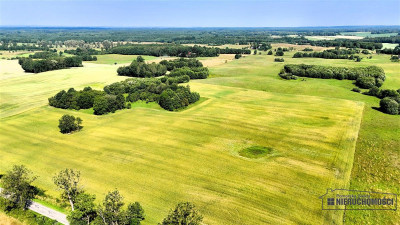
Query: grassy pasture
[[160, 158]]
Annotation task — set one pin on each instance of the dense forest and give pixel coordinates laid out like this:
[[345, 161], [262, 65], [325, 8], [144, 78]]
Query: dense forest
[[211, 36]]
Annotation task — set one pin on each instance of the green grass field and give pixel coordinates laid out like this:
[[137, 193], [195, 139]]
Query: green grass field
[[119, 59], [368, 34], [389, 45], [316, 128]]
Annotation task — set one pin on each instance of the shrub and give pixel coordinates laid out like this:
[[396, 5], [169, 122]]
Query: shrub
[[374, 91], [69, 123], [388, 93], [279, 53], [356, 89], [279, 60], [389, 106], [238, 56], [365, 82], [184, 213]]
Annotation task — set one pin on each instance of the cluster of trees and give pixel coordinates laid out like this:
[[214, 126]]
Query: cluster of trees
[[330, 54], [279, 60], [164, 50], [262, 46], [18, 193], [73, 99], [17, 196], [42, 65], [233, 51], [395, 51], [183, 67], [44, 55], [347, 44], [173, 50], [69, 123], [192, 72], [84, 209], [101, 101], [390, 99], [181, 62], [87, 54], [139, 68], [112, 98], [165, 92], [365, 77]]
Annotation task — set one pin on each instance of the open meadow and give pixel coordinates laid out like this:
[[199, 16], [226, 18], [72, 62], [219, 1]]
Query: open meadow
[[160, 158]]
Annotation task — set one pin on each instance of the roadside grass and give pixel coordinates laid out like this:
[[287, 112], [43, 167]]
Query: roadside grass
[[8, 220], [51, 206]]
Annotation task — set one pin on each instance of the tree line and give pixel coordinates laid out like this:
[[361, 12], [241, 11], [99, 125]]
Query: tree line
[[371, 78], [347, 44], [395, 51], [19, 192], [329, 54], [365, 77], [42, 65], [173, 50]]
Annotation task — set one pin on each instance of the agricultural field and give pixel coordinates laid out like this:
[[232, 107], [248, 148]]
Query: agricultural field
[[318, 134], [159, 157]]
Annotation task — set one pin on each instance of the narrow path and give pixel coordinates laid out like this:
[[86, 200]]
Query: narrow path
[[47, 212]]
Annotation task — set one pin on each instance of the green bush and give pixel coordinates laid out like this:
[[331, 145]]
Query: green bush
[[365, 82], [389, 106]]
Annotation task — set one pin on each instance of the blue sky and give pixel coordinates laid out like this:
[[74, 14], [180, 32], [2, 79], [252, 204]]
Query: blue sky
[[199, 13]]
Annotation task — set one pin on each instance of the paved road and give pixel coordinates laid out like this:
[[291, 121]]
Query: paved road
[[46, 211]]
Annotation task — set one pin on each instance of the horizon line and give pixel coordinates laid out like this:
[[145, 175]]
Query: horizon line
[[105, 27]]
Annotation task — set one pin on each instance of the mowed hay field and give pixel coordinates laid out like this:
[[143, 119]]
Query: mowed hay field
[[160, 158]]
